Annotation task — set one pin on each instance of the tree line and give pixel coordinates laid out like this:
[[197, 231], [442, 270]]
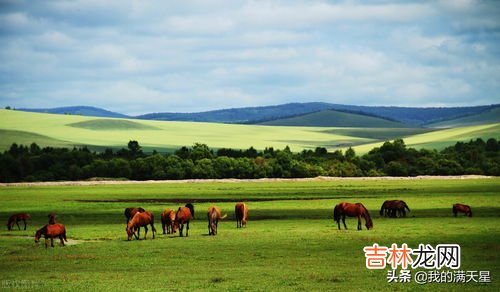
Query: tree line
[[33, 163]]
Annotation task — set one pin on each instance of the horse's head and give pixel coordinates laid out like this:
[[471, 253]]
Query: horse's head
[[130, 232], [38, 234], [175, 226]]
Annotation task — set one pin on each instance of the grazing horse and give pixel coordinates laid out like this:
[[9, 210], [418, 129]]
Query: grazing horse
[[141, 219], [462, 209], [167, 221], [51, 231], [393, 208], [52, 218], [241, 213], [16, 218], [130, 213], [213, 216], [352, 210], [182, 216]]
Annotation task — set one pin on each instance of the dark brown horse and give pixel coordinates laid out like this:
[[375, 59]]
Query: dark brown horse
[[183, 216], [141, 219], [462, 209], [213, 216], [15, 218], [167, 221], [352, 210], [51, 231], [393, 208], [52, 218], [241, 213], [130, 213]]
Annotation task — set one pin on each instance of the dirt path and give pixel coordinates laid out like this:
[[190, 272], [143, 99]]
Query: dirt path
[[319, 178]]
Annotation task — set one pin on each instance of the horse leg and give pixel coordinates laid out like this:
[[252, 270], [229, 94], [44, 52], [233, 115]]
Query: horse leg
[[145, 231], [163, 227], [343, 221], [153, 229], [209, 228], [52, 242], [61, 239], [24, 224], [46, 242], [181, 227], [187, 229], [17, 223]]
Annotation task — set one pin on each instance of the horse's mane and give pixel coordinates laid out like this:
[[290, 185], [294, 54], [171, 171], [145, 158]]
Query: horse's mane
[[191, 208]]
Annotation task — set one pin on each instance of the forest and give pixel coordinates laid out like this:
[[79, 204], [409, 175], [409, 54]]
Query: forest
[[32, 163]]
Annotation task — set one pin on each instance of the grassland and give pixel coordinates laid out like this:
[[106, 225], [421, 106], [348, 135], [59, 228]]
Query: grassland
[[489, 117], [55, 130], [332, 118], [289, 244]]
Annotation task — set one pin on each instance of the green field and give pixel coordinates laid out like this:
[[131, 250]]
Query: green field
[[290, 243], [68, 131], [489, 117], [332, 118]]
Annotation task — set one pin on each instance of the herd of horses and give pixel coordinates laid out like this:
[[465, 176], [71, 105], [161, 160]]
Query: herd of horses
[[172, 221]]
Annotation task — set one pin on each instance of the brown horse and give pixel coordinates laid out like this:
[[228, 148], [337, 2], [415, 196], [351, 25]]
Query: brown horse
[[167, 221], [213, 216], [15, 218], [130, 213], [393, 208], [462, 209], [52, 218], [352, 210], [51, 231], [241, 213], [182, 216], [141, 219]]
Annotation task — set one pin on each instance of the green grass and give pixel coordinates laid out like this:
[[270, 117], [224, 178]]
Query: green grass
[[332, 118], [489, 117], [287, 245], [111, 124], [99, 133]]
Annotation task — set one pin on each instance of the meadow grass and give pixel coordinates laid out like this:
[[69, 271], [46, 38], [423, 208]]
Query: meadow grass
[[66, 130], [290, 243]]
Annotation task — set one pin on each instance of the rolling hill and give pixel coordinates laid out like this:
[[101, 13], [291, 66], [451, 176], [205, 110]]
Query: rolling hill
[[333, 118], [77, 110], [488, 117], [410, 116], [98, 133]]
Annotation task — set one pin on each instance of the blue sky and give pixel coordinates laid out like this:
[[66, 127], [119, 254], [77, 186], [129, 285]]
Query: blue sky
[[161, 56]]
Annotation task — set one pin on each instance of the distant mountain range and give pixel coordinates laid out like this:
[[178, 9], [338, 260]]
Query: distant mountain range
[[314, 114]]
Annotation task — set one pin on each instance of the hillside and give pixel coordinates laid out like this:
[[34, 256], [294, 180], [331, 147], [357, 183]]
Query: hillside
[[332, 118], [77, 110], [487, 117], [411, 116], [98, 133]]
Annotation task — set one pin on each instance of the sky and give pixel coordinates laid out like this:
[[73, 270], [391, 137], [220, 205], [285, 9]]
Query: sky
[[137, 57]]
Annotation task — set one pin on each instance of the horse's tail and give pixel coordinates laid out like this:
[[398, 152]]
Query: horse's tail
[[470, 212], [223, 217], [64, 235], [191, 208], [382, 209], [336, 213]]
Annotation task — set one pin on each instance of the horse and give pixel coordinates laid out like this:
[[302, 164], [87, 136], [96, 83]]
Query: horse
[[52, 218], [241, 213], [213, 216], [167, 220], [130, 213], [182, 216], [141, 219], [51, 231], [15, 218], [352, 210], [462, 209], [392, 208]]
